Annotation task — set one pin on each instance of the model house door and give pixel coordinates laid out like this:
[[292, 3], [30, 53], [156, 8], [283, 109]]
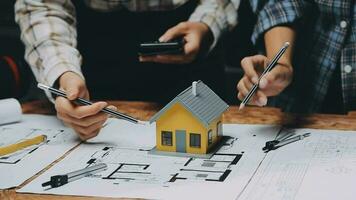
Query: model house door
[[181, 141], [219, 129]]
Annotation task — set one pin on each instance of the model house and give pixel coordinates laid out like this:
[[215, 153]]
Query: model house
[[191, 122]]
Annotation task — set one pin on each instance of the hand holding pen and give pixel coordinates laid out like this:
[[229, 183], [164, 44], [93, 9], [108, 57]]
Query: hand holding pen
[[263, 78], [85, 117], [86, 121]]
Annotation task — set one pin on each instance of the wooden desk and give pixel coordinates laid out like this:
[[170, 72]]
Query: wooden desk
[[250, 115]]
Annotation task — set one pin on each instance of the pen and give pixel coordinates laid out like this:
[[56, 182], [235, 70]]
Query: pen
[[21, 145], [59, 180], [86, 102], [265, 71]]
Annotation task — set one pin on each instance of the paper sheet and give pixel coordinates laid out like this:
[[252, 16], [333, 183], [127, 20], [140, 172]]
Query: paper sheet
[[21, 165], [125, 134], [322, 166], [10, 111], [132, 172]]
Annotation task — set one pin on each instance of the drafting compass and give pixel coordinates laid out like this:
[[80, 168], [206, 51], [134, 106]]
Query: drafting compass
[[283, 140]]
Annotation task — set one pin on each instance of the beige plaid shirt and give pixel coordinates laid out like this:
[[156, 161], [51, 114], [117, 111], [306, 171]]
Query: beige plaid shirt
[[49, 28]]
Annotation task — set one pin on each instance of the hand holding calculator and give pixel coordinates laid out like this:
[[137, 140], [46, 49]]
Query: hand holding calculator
[[172, 47]]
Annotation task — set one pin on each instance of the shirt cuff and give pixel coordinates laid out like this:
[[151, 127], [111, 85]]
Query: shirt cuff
[[216, 26], [56, 71], [275, 14]]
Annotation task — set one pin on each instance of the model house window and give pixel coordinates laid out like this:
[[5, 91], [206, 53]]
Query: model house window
[[210, 137], [219, 129], [195, 140], [167, 138]]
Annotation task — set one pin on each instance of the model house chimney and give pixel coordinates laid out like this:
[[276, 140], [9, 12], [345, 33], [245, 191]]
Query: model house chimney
[[194, 88]]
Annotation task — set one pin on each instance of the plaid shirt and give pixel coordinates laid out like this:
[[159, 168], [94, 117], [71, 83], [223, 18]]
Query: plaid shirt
[[49, 28], [326, 40]]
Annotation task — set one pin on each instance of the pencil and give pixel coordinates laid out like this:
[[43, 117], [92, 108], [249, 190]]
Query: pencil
[[21, 145], [86, 102], [265, 71]]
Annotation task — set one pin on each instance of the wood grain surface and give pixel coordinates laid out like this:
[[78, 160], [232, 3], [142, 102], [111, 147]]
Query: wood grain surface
[[144, 110]]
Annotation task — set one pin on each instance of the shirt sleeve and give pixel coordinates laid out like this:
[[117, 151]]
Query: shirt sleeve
[[220, 16], [275, 13], [48, 30]]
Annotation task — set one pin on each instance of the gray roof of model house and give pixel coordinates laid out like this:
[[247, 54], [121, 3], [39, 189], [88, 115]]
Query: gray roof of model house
[[205, 105]]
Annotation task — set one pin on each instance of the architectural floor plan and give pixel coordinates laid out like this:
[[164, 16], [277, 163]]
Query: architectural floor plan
[[133, 172], [129, 166], [322, 167], [14, 135], [17, 167]]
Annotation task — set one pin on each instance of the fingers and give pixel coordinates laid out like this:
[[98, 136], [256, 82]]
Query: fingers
[[88, 132], [72, 92], [270, 84], [85, 130], [74, 85], [261, 98], [174, 32], [112, 107], [87, 127], [251, 65], [280, 76], [193, 34], [192, 46], [244, 86], [243, 90], [191, 49], [84, 122], [64, 106], [85, 111], [249, 69]]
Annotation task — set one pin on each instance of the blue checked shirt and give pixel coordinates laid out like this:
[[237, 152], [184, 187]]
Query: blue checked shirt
[[326, 40]]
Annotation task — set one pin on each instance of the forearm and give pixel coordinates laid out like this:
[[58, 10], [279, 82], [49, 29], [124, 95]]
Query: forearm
[[277, 14], [49, 34], [276, 80], [274, 40]]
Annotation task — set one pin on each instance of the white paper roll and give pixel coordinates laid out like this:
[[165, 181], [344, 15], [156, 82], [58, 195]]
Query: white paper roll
[[10, 111]]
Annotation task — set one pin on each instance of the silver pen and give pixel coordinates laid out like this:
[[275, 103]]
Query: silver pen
[[86, 102]]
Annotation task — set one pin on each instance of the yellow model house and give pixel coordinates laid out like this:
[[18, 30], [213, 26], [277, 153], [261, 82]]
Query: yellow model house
[[191, 122]]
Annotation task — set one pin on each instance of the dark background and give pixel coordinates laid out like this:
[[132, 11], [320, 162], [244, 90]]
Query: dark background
[[236, 45]]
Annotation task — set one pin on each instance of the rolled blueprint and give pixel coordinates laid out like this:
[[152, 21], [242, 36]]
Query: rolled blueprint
[[10, 111]]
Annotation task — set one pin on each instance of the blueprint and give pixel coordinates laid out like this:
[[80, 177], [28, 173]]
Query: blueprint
[[322, 166], [133, 172], [23, 164], [14, 135]]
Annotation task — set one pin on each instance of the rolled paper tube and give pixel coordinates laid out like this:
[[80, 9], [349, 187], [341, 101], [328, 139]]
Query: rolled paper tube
[[10, 111]]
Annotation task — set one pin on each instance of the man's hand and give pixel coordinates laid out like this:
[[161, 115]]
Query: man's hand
[[85, 120], [196, 35], [273, 83]]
